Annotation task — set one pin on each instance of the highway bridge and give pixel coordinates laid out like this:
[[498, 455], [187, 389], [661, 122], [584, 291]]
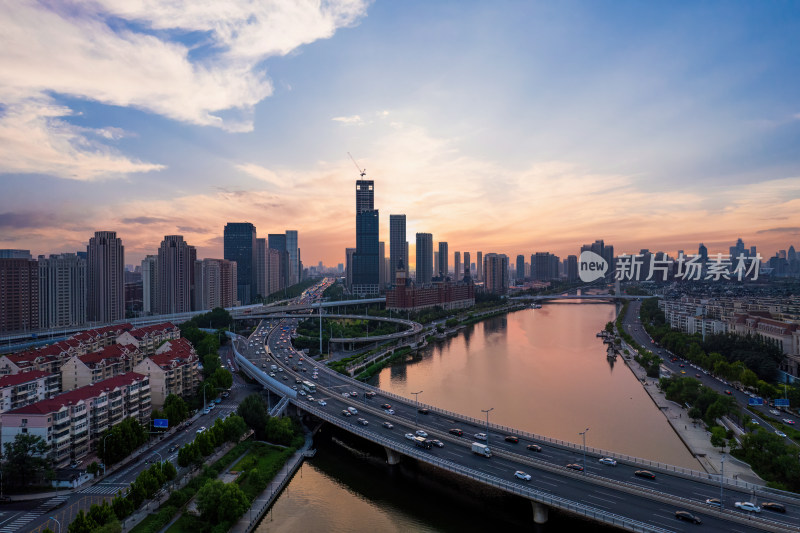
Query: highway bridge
[[608, 494]]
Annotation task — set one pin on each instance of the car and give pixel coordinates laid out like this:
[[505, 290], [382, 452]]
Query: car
[[728, 392], [422, 434], [512, 438], [608, 461], [272, 374], [207, 410], [310, 398], [353, 410], [353, 394], [285, 378], [772, 506], [681, 365], [683, 371], [201, 429], [774, 412], [174, 447], [410, 436], [423, 411], [748, 506], [519, 474], [369, 394], [346, 394], [75, 464], [714, 502], [323, 403], [575, 466], [437, 443], [780, 433], [457, 432], [688, 517], [187, 424], [389, 411], [386, 406], [788, 421], [298, 381], [534, 447], [363, 421], [480, 436], [754, 421], [301, 393], [388, 425], [698, 375], [345, 412], [645, 474], [294, 387]]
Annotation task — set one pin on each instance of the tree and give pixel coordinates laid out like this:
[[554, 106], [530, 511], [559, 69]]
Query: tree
[[748, 378], [175, 409], [254, 413], [25, 459], [83, 523], [222, 378], [234, 428], [221, 502], [718, 437]]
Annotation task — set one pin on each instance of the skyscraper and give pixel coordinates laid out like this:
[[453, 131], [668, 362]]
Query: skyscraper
[[349, 253], [216, 280], [240, 246], [150, 284], [424, 258], [572, 268], [467, 265], [397, 244], [8, 253], [293, 252], [520, 267], [382, 279], [443, 264], [495, 270], [260, 267], [457, 266], [277, 241], [479, 267], [105, 287], [62, 291], [19, 295], [366, 264], [175, 268]]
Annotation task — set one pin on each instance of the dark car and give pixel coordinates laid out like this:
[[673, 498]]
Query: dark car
[[369, 394], [386, 406], [575, 466], [512, 438], [534, 447], [645, 473], [688, 517], [728, 392], [458, 432], [772, 506], [423, 411]]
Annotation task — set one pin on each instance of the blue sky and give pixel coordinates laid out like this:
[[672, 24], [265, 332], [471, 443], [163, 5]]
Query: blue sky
[[513, 127]]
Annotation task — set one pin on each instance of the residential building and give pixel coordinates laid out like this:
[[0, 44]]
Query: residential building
[[424, 258], [479, 267], [175, 267], [495, 270], [15, 254], [216, 281], [444, 294], [24, 388], [81, 370], [457, 266], [442, 270], [19, 295], [150, 285], [397, 244], [62, 291], [293, 256], [148, 338], [105, 287], [467, 265], [520, 267], [171, 370]]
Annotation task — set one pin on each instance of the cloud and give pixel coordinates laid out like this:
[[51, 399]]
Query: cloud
[[260, 173], [193, 229], [194, 62], [353, 119], [790, 229], [25, 220], [144, 220]]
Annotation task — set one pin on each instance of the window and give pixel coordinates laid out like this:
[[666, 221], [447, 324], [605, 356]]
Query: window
[[24, 430]]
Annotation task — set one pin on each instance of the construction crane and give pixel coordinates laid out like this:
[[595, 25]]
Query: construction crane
[[363, 172]]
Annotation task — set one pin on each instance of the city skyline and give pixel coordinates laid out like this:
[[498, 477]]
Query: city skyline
[[511, 128]]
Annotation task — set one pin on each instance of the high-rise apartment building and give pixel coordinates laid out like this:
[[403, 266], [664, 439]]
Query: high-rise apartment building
[[216, 281], [572, 268], [349, 253], [175, 268], [15, 254], [443, 266], [19, 295], [520, 267], [544, 266], [495, 271], [366, 263], [382, 280], [467, 265], [605, 251], [62, 291], [424, 258], [457, 266], [479, 267], [277, 241], [240, 246], [260, 267], [397, 244], [150, 284], [294, 270], [105, 288]]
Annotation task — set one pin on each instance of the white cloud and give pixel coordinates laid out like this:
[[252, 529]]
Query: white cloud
[[261, 173], [129, 53], [352, 119]]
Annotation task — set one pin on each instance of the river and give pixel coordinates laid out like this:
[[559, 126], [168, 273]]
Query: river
[[541, 370]]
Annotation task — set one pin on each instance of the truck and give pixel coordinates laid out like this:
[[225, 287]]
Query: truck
[[481, 449], [422, 442]]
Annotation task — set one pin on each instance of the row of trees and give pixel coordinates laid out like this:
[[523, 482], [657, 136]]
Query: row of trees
[[770, 458], [119, 441], [255, 415], [706, 404], [229, 430]]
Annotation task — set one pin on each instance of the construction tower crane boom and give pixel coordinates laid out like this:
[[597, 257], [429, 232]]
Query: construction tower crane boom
[[361, 171]]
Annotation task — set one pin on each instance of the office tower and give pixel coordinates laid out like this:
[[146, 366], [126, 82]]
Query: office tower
[[397, 244], [149, 284], [175, 268], [479, 267], [240, 246], [467, 265], [520, 267], [260, 267], [753, 251], [443, 264], [382, 279], [424, 258], [495, 270], [277, 241], [293, 254], [105, 287], [791, 255], [340, 268], [19, 295], [572, 268], [274, 267], [457, 266], [603, 250], [217, 285], [407, 257], [366, 275], [15, 254], [62, 291], [349, 253], [702, 251]]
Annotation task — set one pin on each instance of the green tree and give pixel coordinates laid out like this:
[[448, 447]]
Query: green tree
[[235, 427], [222, 378], [718, 436], [83, 523], [748, 378], [176, 410], [102, 514], [254, 413], [221, 502], [25, 459]]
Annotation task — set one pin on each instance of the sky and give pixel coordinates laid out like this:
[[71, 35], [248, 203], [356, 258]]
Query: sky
[[509, 126]]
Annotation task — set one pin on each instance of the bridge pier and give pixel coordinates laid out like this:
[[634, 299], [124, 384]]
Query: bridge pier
[[540, 512], [392, 457]]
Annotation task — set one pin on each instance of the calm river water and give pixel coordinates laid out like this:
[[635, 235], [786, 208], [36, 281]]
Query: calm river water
[[542, 370]]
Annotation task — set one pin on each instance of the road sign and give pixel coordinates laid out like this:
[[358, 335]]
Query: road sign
[[756, 401], [160, 423], [781, 402]]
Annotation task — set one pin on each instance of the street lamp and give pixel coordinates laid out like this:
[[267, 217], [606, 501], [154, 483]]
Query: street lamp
[[416, 397], [583, 433], [105, 457], [160, 461], [721, 477], [57, 522], [487, 411]]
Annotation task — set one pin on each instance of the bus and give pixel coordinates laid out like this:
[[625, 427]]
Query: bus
[[309, 387]]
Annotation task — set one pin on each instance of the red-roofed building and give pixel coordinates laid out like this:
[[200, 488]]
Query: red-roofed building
[[148, 338], [172, 370], [71, 422], [24, 388], [81, 370]]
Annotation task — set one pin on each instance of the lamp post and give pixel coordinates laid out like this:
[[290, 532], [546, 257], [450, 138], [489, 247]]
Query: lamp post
[[721, 478], [583, 433], [416, 397], [105, 457], [57, 522], [160, 461], [487, 411]]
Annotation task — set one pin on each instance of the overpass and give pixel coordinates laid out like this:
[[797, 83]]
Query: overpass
[[588, 297], [611, 495]]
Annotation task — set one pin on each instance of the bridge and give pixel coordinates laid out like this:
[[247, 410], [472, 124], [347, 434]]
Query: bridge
[[588, 297], [611, 495]]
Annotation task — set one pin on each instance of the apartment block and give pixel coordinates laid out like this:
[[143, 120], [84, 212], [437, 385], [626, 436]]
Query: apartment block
[[148, 338], [171, 370], [82, 370], [19, 390]]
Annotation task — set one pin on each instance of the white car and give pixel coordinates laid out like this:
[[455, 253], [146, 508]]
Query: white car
[[480, 436], [323, 403], [608, 461], [201, 429], [389, 411], [780, 433], [422, 434], [301, 393], [388, 425], [747, 506], [774, 411], [788, 421], [519, 474], [410, 436]]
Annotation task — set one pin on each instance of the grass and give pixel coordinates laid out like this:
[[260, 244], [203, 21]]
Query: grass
[[186, 524], [267, 461]]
